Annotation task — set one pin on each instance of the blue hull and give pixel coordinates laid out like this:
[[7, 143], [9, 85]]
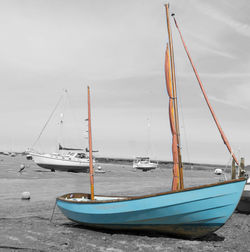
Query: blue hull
[[192, 212]]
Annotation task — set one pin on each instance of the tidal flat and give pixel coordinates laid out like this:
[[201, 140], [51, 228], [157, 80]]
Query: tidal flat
[[25, 224]]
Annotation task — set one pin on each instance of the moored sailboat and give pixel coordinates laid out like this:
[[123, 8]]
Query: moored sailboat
[[65, 159], [144, 164], [188, 212], [71, 161]]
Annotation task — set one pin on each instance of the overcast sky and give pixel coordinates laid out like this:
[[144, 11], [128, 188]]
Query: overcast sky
[[117, 47]]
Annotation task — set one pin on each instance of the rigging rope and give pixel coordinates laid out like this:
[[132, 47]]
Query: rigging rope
[[52, 113], [205, 96]]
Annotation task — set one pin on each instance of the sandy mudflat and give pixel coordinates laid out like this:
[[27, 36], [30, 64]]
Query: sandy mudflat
[[26, 226]]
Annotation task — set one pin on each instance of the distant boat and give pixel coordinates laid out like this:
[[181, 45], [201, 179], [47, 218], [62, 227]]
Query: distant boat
[[144, 164], [71, 161], [67, 159], [191, 212]]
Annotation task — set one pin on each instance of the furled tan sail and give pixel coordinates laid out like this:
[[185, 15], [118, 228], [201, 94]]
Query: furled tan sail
[[176, 175]]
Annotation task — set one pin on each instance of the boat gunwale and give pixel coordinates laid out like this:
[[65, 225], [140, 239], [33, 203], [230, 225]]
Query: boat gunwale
[[128, 198]]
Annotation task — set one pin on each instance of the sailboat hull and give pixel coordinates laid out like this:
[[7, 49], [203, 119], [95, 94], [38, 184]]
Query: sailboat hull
[[145, 167], [192, 212], [61, 163]]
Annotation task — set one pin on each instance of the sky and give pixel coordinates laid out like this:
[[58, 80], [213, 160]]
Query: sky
[[118, 48]]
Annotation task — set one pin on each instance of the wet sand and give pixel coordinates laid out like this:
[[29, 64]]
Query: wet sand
[[25, 224]]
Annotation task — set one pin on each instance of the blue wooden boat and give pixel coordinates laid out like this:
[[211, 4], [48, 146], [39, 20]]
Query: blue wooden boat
[[191, 212]]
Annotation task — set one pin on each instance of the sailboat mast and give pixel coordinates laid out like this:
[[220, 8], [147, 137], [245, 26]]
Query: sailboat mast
[[61, 130], [91, 173], [180, 166]]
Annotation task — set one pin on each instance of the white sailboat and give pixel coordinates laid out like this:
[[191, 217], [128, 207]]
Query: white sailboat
[[66, 159], [71, 161], [144, 164]]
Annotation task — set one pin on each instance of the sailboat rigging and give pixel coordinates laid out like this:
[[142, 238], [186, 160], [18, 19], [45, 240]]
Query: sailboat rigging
[[73, 160], [223, 136], [191, 212]]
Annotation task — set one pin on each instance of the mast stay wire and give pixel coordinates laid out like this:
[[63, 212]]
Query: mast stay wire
[[46, 123], [223, 136]]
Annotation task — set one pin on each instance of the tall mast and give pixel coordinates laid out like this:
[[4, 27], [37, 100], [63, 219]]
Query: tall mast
[[175, 105], [91, 174]]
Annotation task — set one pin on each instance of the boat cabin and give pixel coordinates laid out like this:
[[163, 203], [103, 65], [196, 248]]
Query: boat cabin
[[142, 159], [77, 155]]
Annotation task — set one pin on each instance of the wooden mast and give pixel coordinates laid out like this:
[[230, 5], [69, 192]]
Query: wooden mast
[[180, 166], [91, 174]]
